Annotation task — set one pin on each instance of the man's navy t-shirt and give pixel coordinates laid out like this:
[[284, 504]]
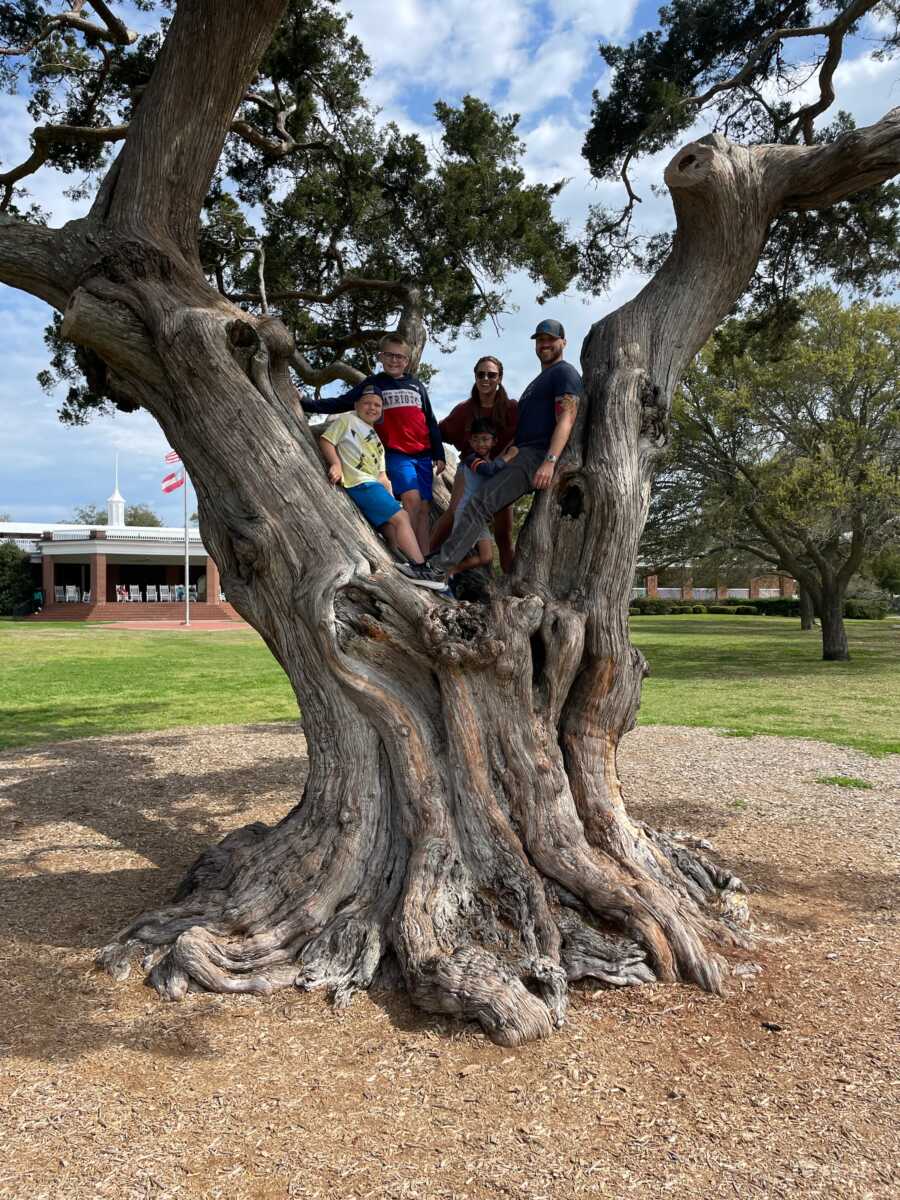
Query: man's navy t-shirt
[[537, 404]]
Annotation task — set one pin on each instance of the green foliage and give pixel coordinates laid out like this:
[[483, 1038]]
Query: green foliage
[[651, 604], [135, 514], [864, 610], [745, 610], [778, 606], [453, 229], [884, 568], [699, 608], [719, 609], [16, 585], [652, 100], [354, 200], [786, 443]]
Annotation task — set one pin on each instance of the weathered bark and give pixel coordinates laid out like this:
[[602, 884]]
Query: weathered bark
[[462, 828]]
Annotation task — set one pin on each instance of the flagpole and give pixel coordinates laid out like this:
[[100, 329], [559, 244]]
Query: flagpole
[[187, 555]]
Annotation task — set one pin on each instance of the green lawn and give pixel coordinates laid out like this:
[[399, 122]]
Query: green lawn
[[752, 675], [746, 675], [73, 680]]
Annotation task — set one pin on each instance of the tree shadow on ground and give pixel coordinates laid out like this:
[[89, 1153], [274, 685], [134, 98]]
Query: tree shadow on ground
[[134, 808]]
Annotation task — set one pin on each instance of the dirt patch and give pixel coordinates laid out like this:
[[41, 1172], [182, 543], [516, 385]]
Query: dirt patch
[[787, 1086]]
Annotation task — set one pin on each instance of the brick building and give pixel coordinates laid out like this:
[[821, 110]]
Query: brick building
[[84, 571]]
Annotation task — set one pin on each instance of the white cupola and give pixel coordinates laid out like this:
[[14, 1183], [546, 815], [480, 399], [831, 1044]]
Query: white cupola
[[115, 505]]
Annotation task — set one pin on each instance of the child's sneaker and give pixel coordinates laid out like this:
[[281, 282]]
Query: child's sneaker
[[424, 575]]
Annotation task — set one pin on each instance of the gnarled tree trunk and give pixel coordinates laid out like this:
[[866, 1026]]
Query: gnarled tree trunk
[[462, 828]]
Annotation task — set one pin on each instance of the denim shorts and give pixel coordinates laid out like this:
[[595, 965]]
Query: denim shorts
[[410, 472], [374, 501]]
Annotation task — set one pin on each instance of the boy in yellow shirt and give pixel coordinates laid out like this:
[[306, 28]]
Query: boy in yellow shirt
[[355, 457]]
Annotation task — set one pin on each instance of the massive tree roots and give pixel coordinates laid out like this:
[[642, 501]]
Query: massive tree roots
[[266, 909], [442, 850]]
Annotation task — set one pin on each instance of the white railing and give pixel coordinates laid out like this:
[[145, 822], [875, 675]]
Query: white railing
[[71, 535], [704, 593], [769, 593], [635, 592], [739, 593], [29, 545], [127, 535], [669, 593]]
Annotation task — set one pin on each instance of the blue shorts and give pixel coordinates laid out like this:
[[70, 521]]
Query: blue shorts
[[410, 472], [374, 501]]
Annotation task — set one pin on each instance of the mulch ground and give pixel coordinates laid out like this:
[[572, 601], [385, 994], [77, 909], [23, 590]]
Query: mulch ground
[[787, 1086]]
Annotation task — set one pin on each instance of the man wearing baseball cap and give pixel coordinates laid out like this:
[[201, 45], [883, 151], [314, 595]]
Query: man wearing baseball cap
[[547, 411]]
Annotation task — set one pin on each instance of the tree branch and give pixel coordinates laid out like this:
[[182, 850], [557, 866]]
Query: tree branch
[[324, 375], [112, 30], [31, 259], [835, 31], [46, 136], [176, 137], [347, 284]]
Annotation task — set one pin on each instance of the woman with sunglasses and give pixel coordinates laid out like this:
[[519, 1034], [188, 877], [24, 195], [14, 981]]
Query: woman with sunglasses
[[489, 401]]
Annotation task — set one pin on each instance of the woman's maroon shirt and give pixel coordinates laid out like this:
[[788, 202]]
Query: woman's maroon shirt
[[456, 425]]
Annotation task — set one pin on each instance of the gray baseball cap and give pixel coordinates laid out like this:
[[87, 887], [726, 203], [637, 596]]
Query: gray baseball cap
[[549, 329]]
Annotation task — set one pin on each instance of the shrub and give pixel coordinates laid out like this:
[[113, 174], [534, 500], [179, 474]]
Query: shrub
[[745, 610], [778, 606], [652, 606], [864, 610], [698, 608], [719, 609], [15, 578], [681, 609], [634, 612]]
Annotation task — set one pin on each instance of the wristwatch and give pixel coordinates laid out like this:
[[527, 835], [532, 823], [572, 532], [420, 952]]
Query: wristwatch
[[554, 458]]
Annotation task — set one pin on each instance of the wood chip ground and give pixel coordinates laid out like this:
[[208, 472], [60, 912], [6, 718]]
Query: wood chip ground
[[788, 1086]]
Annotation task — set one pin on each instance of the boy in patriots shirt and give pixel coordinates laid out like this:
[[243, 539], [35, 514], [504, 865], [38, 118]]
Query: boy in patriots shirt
[[412, 441]]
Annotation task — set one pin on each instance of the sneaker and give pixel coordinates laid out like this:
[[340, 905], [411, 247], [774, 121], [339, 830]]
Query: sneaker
[[424, 575]]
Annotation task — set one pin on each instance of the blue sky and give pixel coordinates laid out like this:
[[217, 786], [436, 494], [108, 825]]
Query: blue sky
[[538, 59]]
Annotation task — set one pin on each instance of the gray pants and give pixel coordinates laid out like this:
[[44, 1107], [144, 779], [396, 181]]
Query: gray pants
[[503, 489]]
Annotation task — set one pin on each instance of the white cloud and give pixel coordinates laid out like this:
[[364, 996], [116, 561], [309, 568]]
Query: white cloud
[[553, 72]]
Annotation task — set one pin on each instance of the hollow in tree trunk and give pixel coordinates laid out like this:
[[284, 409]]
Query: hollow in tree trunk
[[462, 831]]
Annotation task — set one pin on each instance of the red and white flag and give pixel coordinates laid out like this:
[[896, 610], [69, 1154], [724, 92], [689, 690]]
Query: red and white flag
[[172, 482], [172, 456]]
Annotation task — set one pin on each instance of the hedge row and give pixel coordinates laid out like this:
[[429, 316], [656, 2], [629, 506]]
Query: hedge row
[[777, 606]]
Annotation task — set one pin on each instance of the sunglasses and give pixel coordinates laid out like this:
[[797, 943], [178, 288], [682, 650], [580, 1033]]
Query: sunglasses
[[487, 374]]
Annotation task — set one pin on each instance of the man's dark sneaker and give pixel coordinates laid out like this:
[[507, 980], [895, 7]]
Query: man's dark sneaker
[[424, 575]]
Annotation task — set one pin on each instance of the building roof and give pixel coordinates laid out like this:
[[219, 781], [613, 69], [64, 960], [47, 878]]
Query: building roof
[[34, 529]]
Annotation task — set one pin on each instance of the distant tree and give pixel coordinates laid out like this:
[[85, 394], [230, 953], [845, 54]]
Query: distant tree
[[135, 514], [5, 517], [789, 441], [16, 586], [884, 568]]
